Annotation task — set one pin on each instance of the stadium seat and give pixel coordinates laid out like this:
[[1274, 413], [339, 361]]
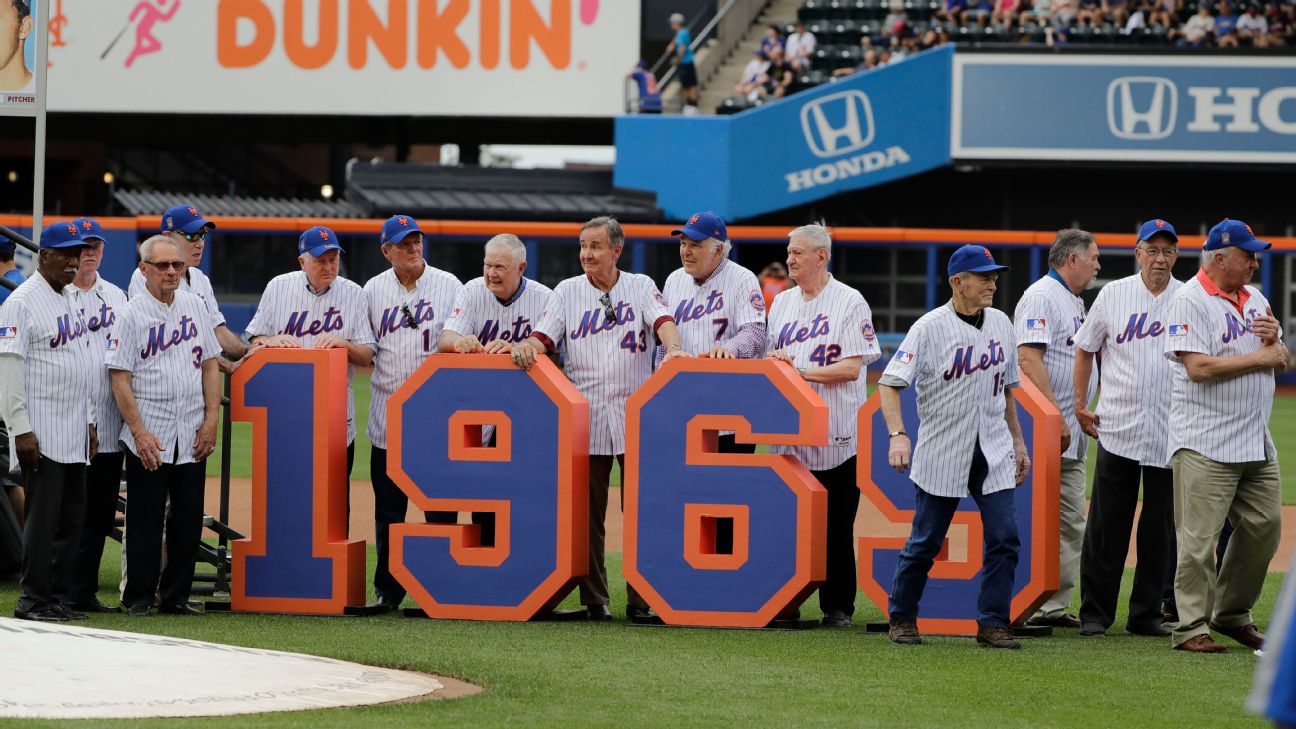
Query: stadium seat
[[812, 11]]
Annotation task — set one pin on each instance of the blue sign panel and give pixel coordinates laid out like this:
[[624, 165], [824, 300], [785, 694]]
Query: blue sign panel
[[870, 128], [1148, 108]]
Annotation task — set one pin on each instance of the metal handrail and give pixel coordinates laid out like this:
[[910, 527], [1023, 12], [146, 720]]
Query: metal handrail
[[665, 80]]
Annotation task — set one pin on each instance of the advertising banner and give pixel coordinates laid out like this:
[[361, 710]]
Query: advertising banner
[[384, 57]]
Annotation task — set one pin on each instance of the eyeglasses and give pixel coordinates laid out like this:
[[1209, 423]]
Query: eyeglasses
[[164, 265], [409, 317], [191, 237], [608, 312], [1166, 253]]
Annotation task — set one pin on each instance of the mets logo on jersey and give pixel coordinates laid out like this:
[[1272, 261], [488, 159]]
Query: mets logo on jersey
[[903, 357], [867, 330], [8, 332], [1036, 325], [757, 301], [1178, 330]]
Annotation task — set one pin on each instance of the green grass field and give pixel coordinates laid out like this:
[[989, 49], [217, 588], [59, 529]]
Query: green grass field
[[1282, 425], [579, 675]]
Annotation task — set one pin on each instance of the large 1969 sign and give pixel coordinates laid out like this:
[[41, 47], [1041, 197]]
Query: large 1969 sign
[[533, 477]]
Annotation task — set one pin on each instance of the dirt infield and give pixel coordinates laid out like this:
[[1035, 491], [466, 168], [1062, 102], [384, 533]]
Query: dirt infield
[[870, 521]]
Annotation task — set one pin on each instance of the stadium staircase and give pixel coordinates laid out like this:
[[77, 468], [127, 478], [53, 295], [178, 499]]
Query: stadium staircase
[[720, 84]]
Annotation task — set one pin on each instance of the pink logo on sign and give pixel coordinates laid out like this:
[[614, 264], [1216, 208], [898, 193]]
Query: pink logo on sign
[[145, 15], [588, 11]]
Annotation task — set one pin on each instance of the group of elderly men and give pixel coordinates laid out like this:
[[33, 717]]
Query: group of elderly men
[[90, 378]]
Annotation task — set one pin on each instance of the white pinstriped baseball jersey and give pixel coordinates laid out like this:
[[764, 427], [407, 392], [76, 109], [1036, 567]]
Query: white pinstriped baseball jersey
[[1127, 325], [711, 313], [478, 313], [836, 324], [1049, 314], [960, 373], [1224, 420], [164, 347], [290, 306], [45, 329], [402, 348], [193, 281], [101, 308], [606, 360]]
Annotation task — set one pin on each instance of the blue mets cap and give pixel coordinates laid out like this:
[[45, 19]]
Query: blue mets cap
[[703, 226], [974, 259], [317, 241], [90, 229], [1155, 227], [62, 234], [1233, 234], [397, 227], [184, 218]]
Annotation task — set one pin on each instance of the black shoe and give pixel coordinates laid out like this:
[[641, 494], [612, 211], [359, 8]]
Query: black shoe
[[93, 605], [836, 619], [184, 608], [42, 615], [598, 612], [69, 613], [1169, 612], [136, 611], [1151, 631], [643, 616], [385, 604], [1093, 630]]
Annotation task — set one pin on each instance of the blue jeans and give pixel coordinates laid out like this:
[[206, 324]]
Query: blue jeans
[[931, 522]]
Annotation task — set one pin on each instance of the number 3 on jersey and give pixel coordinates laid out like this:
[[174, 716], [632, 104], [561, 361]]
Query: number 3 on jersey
[[825, 354], [628, 342]]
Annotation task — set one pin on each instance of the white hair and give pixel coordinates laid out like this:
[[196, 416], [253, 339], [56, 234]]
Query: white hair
[[146, 248], [817, 235], [511, 243]]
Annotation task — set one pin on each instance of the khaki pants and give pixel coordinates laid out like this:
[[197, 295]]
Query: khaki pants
[[1071, 500], [1205, 493]]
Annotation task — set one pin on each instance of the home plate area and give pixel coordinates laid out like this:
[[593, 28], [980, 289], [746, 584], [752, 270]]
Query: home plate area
[[61, 672]]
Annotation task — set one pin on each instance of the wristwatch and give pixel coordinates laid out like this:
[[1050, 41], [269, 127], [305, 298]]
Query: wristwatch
[[801, 371], [895, 433]]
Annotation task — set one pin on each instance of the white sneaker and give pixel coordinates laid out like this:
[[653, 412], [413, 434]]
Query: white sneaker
[[690, 110]]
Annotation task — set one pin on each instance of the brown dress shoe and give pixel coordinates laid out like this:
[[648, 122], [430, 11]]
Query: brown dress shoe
[[1247, 635], [997, 638], [905, 632], [1200, 644]]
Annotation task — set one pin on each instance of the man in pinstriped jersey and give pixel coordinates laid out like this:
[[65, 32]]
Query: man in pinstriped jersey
[[1226, 346]]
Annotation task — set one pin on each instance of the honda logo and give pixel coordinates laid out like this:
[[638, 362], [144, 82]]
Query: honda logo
[[1142, 107], [838, 123]]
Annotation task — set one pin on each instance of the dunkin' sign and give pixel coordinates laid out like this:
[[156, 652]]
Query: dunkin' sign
[[464, 57]]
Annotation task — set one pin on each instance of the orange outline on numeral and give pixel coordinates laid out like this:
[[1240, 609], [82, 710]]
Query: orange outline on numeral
[[700, 535], [465, 432], [465, 542], [1045, 476], [812, 511], [328, 493]]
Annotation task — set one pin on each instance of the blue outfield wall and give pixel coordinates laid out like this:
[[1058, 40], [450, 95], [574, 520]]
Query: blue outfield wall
[[870, 128]]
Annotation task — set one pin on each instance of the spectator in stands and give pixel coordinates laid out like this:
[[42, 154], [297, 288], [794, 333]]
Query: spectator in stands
[[1252, 27], [779, 77], [800, 48], [1137, 21], [681, 48], [649, 95], [978, 11], [753, 76], [1279, 28], [1062, 13], [1116, 11], [1005, 13], [952, 12], [1090, 13], [1037, 12], [896, 14], [873, 58], [1164, 13], [1200, 28], [772, 39], [1226, 27]]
